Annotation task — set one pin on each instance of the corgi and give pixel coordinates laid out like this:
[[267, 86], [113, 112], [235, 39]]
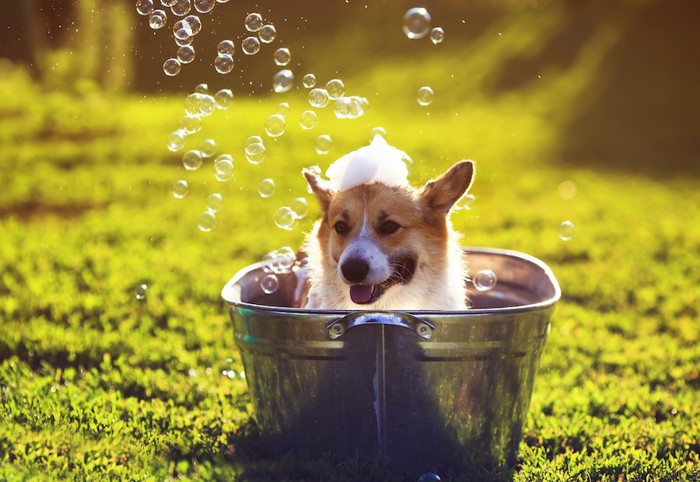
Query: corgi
[[379, 246]]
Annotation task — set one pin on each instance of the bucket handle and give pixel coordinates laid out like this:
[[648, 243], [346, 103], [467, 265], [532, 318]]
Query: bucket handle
[[339, 327]]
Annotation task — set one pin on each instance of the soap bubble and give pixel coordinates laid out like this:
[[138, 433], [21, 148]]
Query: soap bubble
[[318, 98], [176, 141], [253, 22], [214, 202], [269, 284], [194, 23], [198, 105], [223, 99], [206, 221], [182, 30], [226, 47], [208, 147], [466, 202], [223, 167], [377, 131], [323, 144], [437, 35], [275, 125], [485, 280], [309, 81], [266, 188], [144, 7], [223, 63], [283, 81], [192, 160], [308, 119], [181, 7], [157, 19], [190, 124], [335, 88], [429, 477], [283, 109], [171, 67], [185, 54], [566, 230], [253, 140], [181, 188], [255, 153], [300, 206], [425, 95], [282, 56], [416, 23], [201, 88], [267, 33], [350, 107], [141, 292], [187, 40], [286, 258], [168, 3], [285, 218], [250, 45], [204, 6]]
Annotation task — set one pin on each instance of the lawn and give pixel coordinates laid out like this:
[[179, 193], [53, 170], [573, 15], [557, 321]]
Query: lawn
[[98, 384]]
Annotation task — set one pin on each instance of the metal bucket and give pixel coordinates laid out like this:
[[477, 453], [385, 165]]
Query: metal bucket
[[427, 390]]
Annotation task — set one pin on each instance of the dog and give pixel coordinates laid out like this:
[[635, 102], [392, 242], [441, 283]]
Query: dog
[[387, 247]]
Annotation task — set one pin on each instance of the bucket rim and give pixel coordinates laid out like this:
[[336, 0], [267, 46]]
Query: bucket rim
[[227, 291]]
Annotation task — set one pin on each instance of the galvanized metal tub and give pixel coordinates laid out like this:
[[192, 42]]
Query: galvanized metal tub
[[427, 390]]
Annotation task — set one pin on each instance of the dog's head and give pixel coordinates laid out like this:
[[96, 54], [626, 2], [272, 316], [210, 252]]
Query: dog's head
[[375, 237]]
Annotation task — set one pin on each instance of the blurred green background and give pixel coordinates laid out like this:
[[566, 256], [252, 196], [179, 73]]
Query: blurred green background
[[574, 110]]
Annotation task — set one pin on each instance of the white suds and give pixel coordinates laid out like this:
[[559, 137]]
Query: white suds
[[377, 162]]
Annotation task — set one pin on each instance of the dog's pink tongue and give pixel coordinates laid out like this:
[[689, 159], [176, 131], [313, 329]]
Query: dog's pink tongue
[[361, 293]]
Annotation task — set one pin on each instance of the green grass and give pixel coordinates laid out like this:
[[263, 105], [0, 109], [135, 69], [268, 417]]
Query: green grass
[[96, 384]]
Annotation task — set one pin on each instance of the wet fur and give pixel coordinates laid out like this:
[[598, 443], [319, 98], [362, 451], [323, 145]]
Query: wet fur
[[425, 236]]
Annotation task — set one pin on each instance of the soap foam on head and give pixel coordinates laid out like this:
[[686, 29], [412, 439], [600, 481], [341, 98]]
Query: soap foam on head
[[377, 162]]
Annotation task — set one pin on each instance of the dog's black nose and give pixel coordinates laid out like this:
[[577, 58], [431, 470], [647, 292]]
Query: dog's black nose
[[355, 270]]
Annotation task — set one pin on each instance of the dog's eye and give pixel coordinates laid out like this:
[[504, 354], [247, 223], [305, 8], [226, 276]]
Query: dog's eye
[[341, 227], [389, 227]]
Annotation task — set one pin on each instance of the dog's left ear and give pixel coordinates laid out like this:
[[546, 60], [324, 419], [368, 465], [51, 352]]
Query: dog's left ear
[[441, 194], [322, 189]]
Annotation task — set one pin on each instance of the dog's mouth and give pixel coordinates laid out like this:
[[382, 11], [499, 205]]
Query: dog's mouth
[[402, 272]]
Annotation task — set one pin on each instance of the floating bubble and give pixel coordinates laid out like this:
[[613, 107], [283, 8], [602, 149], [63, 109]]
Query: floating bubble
[[335, 88], [466, 202], [171, 67], [437, 35], [184, 41], [144, 7], [181, 7], [200, 105], [214, 202], [201, 88], [318, 98], [323, 144], [192, 160], [176, 141], [286, 258], [267, 188], [250, 45], [416, 23], [270, 262], [566, 230], [253, 140], [283, 81], [226, 47], [300, 206], [282, 56], [267, 33], [194, 23], [255, 153], [485, 280], [309, 81], [168, 3], [204, 6], [425, 95], [308, 119], [157, 19], [269, 284], [377, 131], [207, 148], [285, 218], [350, 107], [224, 99], [223, 167], [275, 125], [185, 54], [429, 477], [182, 30], [190, 124], [141, 292], [181, 189], [206, 221], [283, 109], [223, 63], [253, 22]]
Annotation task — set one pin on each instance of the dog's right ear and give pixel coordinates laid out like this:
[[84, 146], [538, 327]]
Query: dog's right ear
[[322, 189]]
